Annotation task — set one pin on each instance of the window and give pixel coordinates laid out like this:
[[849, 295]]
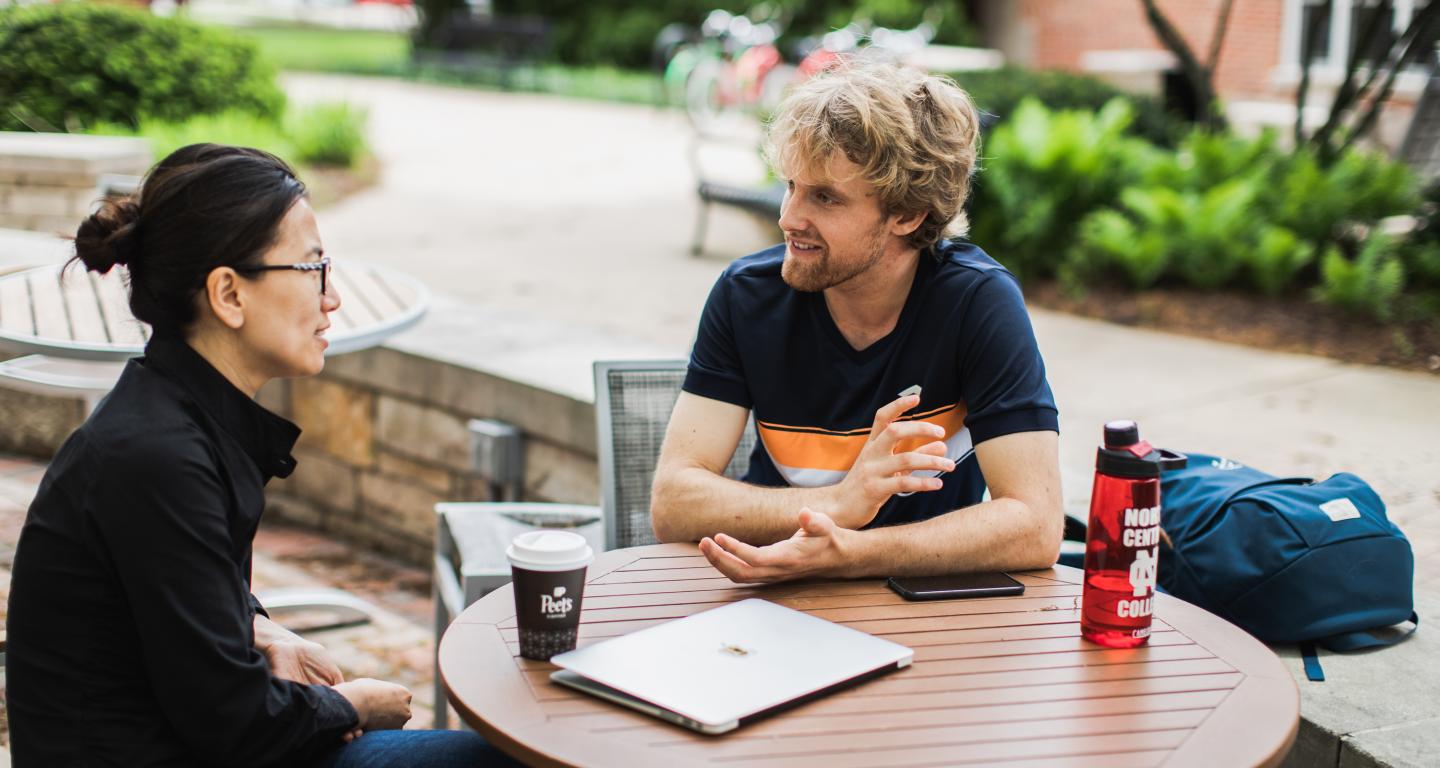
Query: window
[[1339, 29]]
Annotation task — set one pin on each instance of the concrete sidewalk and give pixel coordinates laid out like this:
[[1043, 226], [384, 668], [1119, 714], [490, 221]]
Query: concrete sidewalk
[[576, 214]]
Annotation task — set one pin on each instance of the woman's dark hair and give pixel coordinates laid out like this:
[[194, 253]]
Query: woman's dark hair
[[205, 206]]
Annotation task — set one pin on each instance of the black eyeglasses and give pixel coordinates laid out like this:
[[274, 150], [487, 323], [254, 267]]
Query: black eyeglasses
[[322, 266]]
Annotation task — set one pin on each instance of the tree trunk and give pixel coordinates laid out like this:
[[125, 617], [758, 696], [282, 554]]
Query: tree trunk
[[1197, 74]]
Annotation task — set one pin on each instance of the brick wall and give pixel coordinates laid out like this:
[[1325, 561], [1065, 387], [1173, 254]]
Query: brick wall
[[1060, 32], [49, 181]]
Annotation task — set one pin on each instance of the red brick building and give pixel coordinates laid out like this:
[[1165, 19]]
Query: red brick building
[[1259, 60]]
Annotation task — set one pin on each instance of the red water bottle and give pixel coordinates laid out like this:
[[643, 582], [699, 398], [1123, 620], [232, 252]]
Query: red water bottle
[[1122, 545]]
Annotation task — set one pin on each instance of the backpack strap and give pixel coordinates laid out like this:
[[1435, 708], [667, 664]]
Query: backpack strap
[[1313, 671], [1349, 641], [1354, 641]]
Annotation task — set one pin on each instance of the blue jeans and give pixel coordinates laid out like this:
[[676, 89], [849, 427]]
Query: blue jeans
[[412, 749]]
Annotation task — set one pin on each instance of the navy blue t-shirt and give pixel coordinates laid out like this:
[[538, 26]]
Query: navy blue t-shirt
[[964, 336]]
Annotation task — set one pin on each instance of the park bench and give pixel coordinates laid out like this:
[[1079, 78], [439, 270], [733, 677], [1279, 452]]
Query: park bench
[[724, 167], [479, 44], [763, 201]]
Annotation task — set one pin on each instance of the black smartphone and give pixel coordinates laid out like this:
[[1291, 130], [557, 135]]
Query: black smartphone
[[955, 586]]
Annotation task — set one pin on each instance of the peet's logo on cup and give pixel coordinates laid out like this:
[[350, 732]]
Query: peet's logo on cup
[[556, 606]]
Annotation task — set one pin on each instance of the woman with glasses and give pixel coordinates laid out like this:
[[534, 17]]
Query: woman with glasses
[[133, 637]]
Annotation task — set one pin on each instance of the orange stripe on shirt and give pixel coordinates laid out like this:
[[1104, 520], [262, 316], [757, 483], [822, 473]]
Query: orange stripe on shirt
[[815, 448]]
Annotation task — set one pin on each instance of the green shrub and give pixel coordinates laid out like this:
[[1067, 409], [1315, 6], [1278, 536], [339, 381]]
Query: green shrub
[[1046, 171], [1001, 91], [1318, 203], [324, 134], [1277, 258], [238, 128], [327, 134], [69, 65], [1109, 239], [1370, 284]]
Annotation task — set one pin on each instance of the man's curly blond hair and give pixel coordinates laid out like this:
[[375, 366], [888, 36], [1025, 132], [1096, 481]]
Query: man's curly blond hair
[[915, 137]]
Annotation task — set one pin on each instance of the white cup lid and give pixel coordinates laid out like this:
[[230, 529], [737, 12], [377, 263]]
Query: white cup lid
[[547, 550]]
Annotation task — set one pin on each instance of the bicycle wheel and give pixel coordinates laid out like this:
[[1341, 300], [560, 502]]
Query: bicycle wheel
[[704, 99], [775, 87]]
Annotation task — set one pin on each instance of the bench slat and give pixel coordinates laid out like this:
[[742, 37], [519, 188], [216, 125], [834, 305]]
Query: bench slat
[[51, 321], [115, 306], [15, 314], [85, 321]]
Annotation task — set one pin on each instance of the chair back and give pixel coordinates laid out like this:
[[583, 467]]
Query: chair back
[[633, 401]]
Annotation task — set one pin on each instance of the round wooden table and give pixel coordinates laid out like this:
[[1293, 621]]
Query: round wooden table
[[994, 679]]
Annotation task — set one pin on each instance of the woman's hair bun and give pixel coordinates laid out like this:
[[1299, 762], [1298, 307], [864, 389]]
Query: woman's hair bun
[[108, 237]]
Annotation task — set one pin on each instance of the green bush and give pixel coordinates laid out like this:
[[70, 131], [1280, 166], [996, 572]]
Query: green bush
[[1218, 212], [69, 65], [1371, 283], [1044, 173], [327, 134], [1277, 258], [238, 128], [1318, 202], [1109, 239], [324, 134], [1001, 91], [1201, 236]]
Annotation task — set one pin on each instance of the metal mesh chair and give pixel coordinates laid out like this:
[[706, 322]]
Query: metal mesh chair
[[633, 401]]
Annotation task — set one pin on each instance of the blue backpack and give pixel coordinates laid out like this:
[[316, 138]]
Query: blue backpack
[[1288, 560]]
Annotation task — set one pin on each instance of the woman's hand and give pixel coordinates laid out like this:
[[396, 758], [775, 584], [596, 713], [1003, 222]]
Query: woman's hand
[[294, 658]]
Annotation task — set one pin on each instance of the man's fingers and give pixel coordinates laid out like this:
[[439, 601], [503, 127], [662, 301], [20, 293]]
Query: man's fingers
[[913, 461], [937, 448], [892, 411], [750, 554], [734, 568], [906, 484], [816, 523], [900, 431]]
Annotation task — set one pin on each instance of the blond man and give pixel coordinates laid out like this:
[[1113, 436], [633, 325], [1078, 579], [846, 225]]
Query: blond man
[[893, 374]]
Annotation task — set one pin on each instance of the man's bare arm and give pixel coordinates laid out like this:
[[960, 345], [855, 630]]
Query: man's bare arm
[[691, 497], [1018, 529]]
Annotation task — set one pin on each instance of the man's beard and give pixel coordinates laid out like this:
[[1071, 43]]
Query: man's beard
[[818, 274]]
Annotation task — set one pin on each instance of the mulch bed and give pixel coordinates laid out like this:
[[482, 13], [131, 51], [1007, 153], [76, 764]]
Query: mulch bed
[[330, 185], [1289, 324]]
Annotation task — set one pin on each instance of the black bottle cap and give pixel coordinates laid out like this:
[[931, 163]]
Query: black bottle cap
[[1121, 434], [1124, 455]]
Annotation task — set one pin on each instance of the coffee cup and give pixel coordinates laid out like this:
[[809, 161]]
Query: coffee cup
[[547, 569]]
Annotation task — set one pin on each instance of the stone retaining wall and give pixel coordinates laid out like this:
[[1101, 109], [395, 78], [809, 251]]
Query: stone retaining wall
[[386, 438]]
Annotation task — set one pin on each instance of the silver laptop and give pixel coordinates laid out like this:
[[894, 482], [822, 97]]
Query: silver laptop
[[717, 670]]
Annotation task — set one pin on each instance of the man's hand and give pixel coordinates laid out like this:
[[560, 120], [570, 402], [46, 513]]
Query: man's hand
[[819, 548], [292, 657], [881, 470]]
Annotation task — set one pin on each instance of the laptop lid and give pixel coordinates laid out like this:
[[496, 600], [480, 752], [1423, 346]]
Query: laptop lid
[[717, 669]]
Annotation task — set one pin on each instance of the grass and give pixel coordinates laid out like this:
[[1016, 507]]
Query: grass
[[316, 135], [320, 49]]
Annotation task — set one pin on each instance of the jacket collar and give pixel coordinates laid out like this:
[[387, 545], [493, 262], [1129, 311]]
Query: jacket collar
[[267, 438]]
